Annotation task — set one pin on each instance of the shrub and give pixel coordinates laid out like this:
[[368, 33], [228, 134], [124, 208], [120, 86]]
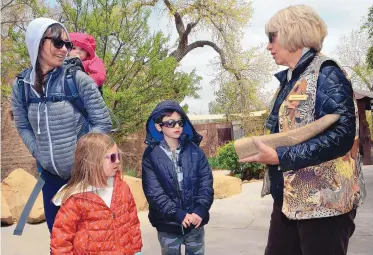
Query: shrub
[[130, 171], [227, 158], [214, 164]]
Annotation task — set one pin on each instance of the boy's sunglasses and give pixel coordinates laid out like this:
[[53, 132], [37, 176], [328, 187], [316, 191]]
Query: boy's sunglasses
[[271, 36], [113, 157], [172, 123], [59, 43]]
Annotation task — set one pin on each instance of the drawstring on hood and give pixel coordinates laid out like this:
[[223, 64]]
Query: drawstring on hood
[[34, 33], [39, 118]]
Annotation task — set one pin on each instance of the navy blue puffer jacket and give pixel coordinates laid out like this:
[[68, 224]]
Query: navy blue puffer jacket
[[167, 205], [334, 95]]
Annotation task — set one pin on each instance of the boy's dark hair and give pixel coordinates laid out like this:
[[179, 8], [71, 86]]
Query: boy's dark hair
[[158, 119]]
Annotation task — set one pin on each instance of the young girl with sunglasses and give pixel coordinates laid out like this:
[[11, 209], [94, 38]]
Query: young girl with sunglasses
[[177, 180], [98, 213], [49, 128]]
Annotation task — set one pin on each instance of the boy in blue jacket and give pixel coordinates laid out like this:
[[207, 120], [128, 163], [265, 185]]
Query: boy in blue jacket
[[177, 180]]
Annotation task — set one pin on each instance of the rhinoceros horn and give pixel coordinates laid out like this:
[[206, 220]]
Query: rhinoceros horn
[[245, 147]]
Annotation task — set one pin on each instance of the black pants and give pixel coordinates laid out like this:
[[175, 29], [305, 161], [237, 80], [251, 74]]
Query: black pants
[[52, 185], [324, 236]]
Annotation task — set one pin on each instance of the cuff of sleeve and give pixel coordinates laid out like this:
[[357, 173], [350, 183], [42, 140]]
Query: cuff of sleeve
[[201, 211], [180, 216], [283, 166]]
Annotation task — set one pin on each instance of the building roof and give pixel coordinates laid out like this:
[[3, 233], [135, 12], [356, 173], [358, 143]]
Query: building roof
[[359, 94], [211, 118]]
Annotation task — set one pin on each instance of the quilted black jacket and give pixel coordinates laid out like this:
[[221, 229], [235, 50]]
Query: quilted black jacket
[[334, 95], [167, 205]]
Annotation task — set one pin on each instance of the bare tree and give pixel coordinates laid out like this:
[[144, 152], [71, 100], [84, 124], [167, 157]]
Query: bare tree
[[352, 52], [239, 71]]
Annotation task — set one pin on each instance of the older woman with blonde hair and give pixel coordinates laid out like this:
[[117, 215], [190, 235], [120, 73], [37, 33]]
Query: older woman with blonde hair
[[316, 185]]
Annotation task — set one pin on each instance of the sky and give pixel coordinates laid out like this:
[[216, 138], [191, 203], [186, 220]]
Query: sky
[[341, 17]]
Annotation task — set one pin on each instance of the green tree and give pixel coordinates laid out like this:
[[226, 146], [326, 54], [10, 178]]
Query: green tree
[[15, 15], [370, 57], [142, 70], [240, 73], [140, 73], [368, 25]]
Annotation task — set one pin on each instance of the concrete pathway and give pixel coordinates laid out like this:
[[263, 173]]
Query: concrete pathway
[[239, 225]]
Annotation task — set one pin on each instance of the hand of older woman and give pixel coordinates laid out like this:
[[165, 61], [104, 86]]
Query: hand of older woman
[[266, 155]]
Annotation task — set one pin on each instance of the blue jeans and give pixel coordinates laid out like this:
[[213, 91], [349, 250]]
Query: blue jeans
[[194, 242], [52, 185]]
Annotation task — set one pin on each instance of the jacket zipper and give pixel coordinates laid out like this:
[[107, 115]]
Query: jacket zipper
[[177, 185], [112, 212], [48, 131]]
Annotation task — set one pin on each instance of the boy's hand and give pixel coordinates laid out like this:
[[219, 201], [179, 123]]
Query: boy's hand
[[187, 220], [197, 220]]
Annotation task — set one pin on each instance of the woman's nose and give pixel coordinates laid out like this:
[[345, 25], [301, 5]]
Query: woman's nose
[[269, 46], [64, 48]]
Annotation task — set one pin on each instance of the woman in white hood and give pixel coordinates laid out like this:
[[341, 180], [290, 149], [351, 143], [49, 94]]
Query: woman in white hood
[[47, 121]]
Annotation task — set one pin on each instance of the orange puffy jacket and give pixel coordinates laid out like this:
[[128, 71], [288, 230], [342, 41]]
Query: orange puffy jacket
[[85, 225]]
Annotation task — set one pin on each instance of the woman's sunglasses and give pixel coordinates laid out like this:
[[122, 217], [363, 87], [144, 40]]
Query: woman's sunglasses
[[59, 43], [271, 36], [113, 157], [172, 123]]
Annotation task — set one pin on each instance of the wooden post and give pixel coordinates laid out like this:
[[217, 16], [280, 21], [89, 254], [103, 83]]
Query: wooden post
[[364, 134]]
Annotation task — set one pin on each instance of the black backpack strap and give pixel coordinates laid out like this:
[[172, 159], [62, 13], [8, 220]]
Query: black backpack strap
[[24, 89], [71, 92], [50, 99]]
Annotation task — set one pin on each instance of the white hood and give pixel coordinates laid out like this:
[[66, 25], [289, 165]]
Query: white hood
[[34, 33], [57, 199]]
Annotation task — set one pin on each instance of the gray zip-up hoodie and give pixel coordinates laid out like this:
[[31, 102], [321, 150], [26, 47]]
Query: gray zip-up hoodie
[[50, 130]]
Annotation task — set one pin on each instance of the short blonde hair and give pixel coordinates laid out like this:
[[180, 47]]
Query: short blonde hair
[[297, 27]]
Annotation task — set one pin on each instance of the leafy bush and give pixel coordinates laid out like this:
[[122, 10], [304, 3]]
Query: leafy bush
[[5, 91], [130, 171], [214, 164], [227, 158]]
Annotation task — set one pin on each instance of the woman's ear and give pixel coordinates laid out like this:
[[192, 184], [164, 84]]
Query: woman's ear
[[158, 127]]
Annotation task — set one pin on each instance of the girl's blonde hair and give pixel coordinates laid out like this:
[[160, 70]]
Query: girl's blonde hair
[[88, 164], [298, 27]]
